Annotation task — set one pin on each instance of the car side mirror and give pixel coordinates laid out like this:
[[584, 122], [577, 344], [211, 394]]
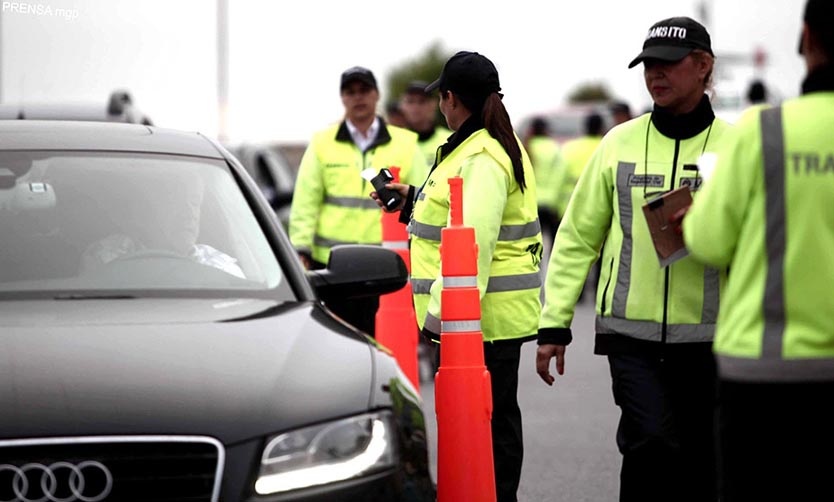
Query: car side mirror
[[359, 270]]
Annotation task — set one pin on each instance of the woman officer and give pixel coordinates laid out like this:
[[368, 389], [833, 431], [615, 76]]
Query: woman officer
[[499, 194]]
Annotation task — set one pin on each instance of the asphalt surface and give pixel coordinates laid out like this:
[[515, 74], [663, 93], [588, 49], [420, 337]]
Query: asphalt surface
[[569, 428]]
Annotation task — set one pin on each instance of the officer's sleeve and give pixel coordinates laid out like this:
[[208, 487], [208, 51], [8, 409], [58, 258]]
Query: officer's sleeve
[[485, 188], [576, 247], [307, 199], [713, 223]]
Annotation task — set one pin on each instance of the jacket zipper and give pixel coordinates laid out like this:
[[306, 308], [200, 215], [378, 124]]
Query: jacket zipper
[[663, 326]]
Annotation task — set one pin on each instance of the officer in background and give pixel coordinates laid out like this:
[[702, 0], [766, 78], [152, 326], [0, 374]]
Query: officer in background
[[576, 153], [766, 212], [620, 112], [420, 112], [546, 157], [655, 324], [330, 202]]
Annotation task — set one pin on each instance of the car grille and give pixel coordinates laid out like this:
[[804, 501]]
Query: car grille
[[111, 469]]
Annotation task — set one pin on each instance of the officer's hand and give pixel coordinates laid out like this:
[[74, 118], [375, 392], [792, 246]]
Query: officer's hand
[[543, 356], [676, 219], [305, 261], [400, 189]]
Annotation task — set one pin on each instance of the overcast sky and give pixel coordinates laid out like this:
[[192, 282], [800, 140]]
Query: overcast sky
[[285, 57]]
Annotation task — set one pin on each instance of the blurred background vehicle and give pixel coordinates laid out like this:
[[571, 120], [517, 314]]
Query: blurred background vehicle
[[272, 172], [165, 342], [118, 108]]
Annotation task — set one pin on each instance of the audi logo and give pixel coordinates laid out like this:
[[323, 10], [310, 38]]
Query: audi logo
[[87, 481]]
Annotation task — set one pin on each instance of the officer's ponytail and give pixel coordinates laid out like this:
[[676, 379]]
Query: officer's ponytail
[[497, 123]]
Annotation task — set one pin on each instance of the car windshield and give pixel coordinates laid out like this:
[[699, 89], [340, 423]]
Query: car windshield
[[84, 223]]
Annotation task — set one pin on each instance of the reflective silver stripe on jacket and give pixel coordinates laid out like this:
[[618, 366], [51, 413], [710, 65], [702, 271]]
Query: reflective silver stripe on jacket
[[506, 233], [773, 152], [353, 202], [498, 284], [421, 286], [424, 231], [432, 324], [395, 244], [460, 326], [775, 370], [651, 331], [618, 303], [709, 314], [517, 232]]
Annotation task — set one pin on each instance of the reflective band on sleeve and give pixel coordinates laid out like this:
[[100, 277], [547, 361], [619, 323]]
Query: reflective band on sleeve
[[773, 152], [621, 288], [516, 232], [421, 286], [395, 244], [354, 202], [514, 282], [424, 231], [467, 281], [460, 326], [432, 324]]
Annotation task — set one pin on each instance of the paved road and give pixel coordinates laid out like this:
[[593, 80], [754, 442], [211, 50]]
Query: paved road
[[569, 429]]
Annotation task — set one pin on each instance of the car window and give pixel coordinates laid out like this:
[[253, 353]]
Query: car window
[[108, 221]]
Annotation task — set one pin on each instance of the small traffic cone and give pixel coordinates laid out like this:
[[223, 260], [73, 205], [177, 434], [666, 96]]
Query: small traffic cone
[[463, 395], [396, 322]]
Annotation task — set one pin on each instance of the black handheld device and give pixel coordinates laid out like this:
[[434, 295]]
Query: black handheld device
[[390, 198]]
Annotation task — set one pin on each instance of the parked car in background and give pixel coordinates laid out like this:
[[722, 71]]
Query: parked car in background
[[272, 173], [567, 122], [161, 340], [118, 108]]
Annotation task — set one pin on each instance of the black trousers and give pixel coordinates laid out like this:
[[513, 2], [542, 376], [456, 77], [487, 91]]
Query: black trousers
[[502, 359], [666, 432], [776, 441]]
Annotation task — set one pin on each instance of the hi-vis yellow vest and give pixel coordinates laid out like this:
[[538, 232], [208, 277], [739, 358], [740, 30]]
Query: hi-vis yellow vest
[[635, 296], [331, 202], [506, 229], [767, 213]]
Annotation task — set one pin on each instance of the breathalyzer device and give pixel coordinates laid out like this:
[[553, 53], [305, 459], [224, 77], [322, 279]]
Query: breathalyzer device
[[390, 198]]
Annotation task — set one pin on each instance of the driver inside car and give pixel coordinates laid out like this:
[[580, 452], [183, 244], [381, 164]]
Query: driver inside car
[[168, 222]]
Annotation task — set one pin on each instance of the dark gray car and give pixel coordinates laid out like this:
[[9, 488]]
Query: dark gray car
[[159, 339]]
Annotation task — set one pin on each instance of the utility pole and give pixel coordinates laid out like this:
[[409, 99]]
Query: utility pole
[[222, 68]]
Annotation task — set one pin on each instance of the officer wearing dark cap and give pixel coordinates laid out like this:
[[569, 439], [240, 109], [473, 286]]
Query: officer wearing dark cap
[[767, 210], [420, 110], [499, 193], [655, 320], [330, 202]]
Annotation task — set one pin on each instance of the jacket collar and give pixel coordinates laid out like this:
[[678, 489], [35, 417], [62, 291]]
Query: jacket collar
[[683, 126], [821, 79], [468, 128], [382, 136]]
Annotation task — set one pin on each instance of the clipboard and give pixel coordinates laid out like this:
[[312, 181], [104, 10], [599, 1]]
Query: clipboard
[[668, 243]]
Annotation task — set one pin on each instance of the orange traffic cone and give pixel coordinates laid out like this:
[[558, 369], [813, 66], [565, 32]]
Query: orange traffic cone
[[463, 396], [396, 323]]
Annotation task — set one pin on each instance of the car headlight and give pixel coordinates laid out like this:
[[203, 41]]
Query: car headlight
[[329, 452]]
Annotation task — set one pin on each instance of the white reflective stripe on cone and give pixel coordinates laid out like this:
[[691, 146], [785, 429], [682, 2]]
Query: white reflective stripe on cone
[[395, 244], [466, 281], [460, 326]]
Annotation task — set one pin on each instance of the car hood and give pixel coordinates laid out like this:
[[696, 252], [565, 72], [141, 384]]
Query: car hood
[[230, 369]]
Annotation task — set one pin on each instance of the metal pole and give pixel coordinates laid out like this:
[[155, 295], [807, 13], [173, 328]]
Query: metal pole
[[222, 68]]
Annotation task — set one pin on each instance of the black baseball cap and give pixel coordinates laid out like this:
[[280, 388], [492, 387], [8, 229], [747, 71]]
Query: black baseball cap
[[673, 39], [358, 74], [467, 73], [417, 87]]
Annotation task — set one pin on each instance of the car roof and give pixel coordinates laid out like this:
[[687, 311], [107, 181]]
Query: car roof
[[102, 136]]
